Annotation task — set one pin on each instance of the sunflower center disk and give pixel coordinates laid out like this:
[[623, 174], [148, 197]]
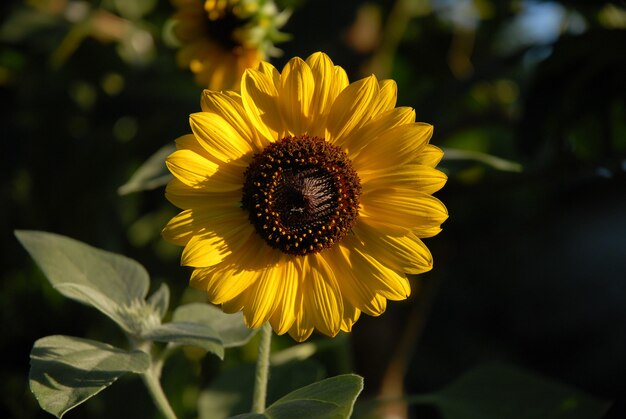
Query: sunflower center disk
[[302, 194]]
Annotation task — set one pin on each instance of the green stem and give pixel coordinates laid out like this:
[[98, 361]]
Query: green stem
[[151, 380], [151, 377], [262, 370]]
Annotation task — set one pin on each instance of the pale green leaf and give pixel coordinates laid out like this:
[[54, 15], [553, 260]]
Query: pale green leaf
[[66, 371], [332, 398], [114, 284], [230, 327], [90, 296], [185, 333], [160, 300], [498, 391], [151, 174]]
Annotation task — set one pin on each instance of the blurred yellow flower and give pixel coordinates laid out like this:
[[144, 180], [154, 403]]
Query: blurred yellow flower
[[219, 39], [305, 197]]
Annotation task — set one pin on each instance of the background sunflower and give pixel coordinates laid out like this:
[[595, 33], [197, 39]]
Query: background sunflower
[[219, 39], [530, 268]]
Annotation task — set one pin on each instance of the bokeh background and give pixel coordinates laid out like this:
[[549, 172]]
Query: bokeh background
[[530, 268]]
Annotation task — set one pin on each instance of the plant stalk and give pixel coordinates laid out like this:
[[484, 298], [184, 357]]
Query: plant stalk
[[262, 370], [151, 380]]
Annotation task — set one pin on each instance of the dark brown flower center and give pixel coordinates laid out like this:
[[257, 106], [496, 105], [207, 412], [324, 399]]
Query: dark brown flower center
[[302, 194], [222, 29]]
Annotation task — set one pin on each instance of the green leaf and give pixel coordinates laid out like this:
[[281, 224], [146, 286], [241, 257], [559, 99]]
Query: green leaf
[[487, 159], [114, 284], [327, 399], [230, 327], [66, 371], [160, 300], [231, 392], [497, 391], [185, 333], [151, 174]]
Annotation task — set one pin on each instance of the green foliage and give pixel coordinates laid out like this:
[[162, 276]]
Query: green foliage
[[499, 391], [227, 326], [66, 371], [327, 399], [151, 174], [113, 284], [230, 394]]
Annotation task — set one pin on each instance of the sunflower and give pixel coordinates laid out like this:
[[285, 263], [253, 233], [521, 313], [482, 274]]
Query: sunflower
[[219, 39], [305, 197]]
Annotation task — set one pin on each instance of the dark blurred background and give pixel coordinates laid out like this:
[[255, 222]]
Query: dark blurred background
[[530, 268]]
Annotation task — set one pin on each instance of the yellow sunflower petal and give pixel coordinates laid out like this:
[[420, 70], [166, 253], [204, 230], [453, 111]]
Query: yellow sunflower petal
[[356, 292], [222, 285], [235, 305], [362, 136], [401, 253], [430, 156], [270, 71], [183, 196], [196, 221], [220, 138], [411, 176], [350, 316], [352, 108], [230, 108], [259, 97], [197, 172], [262, 296], [190, 168], [326, 89], [396, 146], [189, 142], [288, 297], [340, 80], [302, 328], [210, 249], [322, 296], [391, 284], [296, 91], [398, 209], [388, 96]]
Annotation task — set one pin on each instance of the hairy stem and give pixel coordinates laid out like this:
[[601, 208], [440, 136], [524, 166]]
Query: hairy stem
[[262, 370], [151, 380]]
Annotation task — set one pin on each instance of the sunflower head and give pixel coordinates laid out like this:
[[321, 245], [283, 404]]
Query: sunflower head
[[305, 197], [219, 39]]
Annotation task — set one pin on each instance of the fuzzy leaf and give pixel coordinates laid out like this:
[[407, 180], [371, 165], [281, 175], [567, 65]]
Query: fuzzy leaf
[[327, 399], [185, 333], [160, 300], [230, 327], [112, 283], [66, 371]]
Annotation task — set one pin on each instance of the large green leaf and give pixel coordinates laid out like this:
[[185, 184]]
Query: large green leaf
[[114, 284], [186, 333], [231, 392], [327, 399], [65, 371], [230, 327], [151, 174], [498, 391]]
